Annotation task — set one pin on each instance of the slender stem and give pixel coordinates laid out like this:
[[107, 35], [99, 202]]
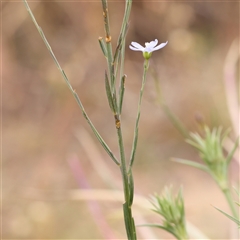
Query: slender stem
[[128, 188], [122, 35], [171, 116], [108, 39], [174, 120], [113, 62], [123, 165], [128, 6], [128, 219], [100, 139], [135, 137], [223, 183], [230, 202], [181, 232]]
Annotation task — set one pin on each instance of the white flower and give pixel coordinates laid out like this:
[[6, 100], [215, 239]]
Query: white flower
[[148, 49]]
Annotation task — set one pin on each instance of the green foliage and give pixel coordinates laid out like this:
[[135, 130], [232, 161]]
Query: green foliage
[[210, 148], [237, 221], [234, 219], [211, 152], [171, 209]]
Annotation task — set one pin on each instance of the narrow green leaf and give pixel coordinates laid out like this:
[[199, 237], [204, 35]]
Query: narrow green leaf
[[115, 103], [118, 48], [121, 92], [96, 133], [229, 216], [127, 219], [102, 46], [197, 145], [109, 94], [120, 42], [131, 187], [160, 226], [134, 234], [230, 155], [124, 28], [191, 163], [100, 139], [225, 134], [236, 191]]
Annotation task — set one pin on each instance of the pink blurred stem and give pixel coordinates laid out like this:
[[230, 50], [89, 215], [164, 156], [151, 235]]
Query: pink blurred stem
[[94, 208]]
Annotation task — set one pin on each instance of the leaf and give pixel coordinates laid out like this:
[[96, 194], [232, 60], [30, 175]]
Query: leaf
[[128, 221], [230, 155], [121, 92], [160, 226], [103, 46], [100, 139], [131, 187], [109, 94], [229, 216], [191, 163]]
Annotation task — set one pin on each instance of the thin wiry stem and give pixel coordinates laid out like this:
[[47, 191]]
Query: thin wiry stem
[[135, 138], [230, 201], [114, 62], [108, 39], [100, 139], [171, 116]]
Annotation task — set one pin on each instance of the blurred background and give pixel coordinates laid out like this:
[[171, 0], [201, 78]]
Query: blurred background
[[50, 156]]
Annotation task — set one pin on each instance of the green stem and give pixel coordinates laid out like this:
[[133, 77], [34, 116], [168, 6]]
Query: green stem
[[128, 189], [135, 137], [114, 62], [174, 120], [230, 202], [221, 178], [171, 116], [123, 165], [181, 232], [108, 39]]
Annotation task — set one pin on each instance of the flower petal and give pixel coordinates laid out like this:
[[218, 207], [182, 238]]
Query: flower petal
[[137, 45], [160, 46], [152, 44], [134, 49]]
